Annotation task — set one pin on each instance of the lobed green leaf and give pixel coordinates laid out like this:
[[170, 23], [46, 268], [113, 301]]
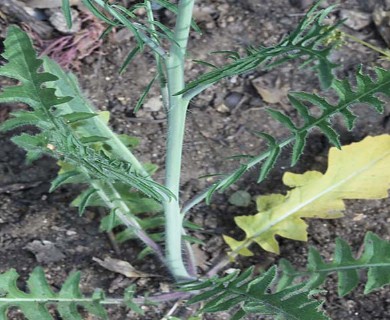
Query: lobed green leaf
[[39, 295], [365, 93], [375, 259]]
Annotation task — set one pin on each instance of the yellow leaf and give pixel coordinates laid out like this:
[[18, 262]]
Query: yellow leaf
[[358, 171], [234, 245], [104, 116]]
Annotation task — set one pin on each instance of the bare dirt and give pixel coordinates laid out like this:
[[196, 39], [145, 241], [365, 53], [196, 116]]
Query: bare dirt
[[39, 228]]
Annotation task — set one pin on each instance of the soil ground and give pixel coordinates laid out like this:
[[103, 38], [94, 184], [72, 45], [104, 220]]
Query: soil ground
[[219, 125]]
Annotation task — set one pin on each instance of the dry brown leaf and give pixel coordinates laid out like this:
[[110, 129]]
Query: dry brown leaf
[[200, 256], [359, 217], [122, 267], [270, 92]]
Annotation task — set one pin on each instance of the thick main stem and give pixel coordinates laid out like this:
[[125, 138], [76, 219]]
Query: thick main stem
[[176, 127]]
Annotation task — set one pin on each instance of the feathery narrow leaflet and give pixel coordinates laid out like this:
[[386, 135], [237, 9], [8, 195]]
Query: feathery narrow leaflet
[[307, 41], [244, 295], [365, 93]]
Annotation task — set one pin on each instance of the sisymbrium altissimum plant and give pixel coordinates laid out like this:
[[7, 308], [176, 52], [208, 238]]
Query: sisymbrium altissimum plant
[[76, 134]]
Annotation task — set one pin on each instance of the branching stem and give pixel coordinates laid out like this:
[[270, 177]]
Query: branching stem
[[253, 162]]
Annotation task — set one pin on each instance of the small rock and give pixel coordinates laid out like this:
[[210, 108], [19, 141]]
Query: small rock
[[36, 13], [301, 4], [382, 22], [368, 5], [45, 251], [122, 100], [154, 104], [46, 4], [251, 5], [221, 108], [232, 99], [359, 217], [210, 25], [81, 249], [230, 19], [356, 20], [58, 21], [240, 198], [123, 35], [18, 12], [119, 283], [203, 13], [165, 287], [71, 233]]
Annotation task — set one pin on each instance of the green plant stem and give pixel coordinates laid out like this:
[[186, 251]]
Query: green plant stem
[[338, 269], [385, 53], [166, 297], [177, 111]]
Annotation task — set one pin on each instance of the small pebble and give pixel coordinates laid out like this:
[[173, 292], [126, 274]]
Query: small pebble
[[355, 20], [232, 99], [301, 4], [71, 233], [154, 104]]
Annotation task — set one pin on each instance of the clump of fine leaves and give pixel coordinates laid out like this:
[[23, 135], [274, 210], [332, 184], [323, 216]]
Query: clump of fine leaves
[[357, 171]]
